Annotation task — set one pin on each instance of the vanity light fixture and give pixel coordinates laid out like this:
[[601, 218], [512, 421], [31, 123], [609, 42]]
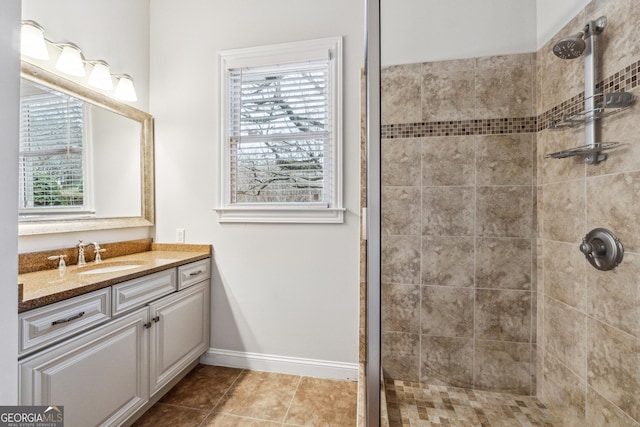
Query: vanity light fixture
[[125, 90], [71, 61], [32, 42], [100, 76]]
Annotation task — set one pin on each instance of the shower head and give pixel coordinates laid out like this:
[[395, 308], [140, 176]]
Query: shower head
[[570, 47]]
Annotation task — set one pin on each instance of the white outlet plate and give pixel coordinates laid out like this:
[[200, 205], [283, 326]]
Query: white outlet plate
[[180, 235]]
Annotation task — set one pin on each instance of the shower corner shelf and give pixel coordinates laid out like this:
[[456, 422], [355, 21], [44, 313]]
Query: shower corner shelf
[[585, 150], [604, 104], [607, 105]]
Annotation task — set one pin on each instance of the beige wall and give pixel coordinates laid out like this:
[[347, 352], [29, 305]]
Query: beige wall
[[589, 321], [272, 283]]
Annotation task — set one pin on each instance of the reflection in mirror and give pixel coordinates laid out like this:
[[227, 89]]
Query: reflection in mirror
[[86, 160]]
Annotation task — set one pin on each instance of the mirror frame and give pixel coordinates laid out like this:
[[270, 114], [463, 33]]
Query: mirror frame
[[147, 218]]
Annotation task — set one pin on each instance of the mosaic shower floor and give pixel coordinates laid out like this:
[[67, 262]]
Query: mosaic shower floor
[[411, 404]]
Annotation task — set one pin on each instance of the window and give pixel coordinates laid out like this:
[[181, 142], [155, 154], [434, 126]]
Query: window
[[282, 133], [51, 156]]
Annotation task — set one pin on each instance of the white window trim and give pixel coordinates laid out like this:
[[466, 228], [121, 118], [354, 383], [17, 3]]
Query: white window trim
[[274, 54]]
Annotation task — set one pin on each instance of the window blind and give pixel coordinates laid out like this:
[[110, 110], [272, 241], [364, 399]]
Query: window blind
[[280, 134], [51, 152]]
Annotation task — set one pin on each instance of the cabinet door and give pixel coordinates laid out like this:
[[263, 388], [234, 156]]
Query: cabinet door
[[180, 332], [100, 377]]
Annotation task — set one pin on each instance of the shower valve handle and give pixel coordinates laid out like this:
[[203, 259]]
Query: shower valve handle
[[595, 247], [602, 249]]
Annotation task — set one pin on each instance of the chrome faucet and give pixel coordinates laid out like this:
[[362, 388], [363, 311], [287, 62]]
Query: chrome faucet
[[98, 251], [81, 260]]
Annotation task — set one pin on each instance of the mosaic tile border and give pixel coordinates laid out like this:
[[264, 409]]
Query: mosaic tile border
[[623, 80], [461, 128]]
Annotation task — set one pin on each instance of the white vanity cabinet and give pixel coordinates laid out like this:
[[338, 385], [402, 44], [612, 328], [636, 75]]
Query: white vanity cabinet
[[106, 374]]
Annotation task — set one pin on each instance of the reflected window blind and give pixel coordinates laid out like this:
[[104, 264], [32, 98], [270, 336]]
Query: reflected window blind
[[280, 134], [51, 152]]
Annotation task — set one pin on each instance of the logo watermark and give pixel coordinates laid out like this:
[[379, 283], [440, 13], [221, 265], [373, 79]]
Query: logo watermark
[[31, 416]]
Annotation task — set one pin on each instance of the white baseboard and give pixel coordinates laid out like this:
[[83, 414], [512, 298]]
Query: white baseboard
[[281, 364]]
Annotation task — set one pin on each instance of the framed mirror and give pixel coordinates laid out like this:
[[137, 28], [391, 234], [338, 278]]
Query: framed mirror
[[86, 160]]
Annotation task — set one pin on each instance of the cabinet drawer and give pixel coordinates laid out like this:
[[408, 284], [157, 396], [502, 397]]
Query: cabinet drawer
[[47, 325], [193, 273], [137, 292]]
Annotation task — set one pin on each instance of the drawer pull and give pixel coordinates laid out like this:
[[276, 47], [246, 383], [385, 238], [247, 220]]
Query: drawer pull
[[195, 273], [156, 319], [68, 319], [147, 325]]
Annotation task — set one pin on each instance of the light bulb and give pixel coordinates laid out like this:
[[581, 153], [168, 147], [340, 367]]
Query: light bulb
[[125, 90], [70, 60], [32, 42], [100, 76]]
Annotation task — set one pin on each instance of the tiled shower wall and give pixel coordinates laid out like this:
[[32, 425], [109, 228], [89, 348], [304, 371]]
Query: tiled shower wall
[[460, 291], [458, 203], [588, 320]]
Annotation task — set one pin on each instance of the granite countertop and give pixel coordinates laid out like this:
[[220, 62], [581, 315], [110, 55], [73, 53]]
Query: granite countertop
[[43, 287]]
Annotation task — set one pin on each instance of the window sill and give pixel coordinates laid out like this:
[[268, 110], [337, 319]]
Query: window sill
[[282, 215]]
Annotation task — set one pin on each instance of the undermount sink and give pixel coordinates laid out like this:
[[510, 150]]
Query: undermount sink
[[109, 267]]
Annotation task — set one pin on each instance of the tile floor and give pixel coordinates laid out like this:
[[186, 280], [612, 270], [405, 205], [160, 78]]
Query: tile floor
[[214, 396], [410, 404]]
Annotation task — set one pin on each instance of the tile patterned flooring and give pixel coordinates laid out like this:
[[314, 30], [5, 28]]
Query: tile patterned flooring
[[215, 396], [410, 404]]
